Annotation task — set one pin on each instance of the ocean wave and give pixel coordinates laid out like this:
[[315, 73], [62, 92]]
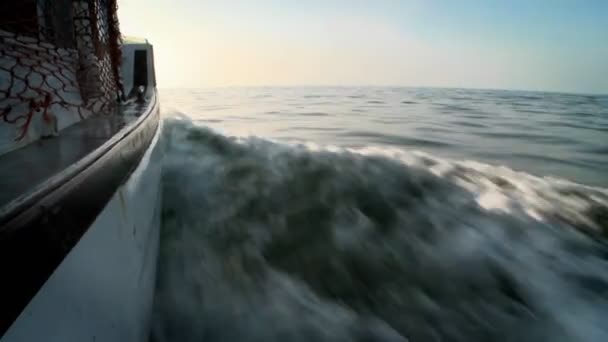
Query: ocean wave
[[264, 241]]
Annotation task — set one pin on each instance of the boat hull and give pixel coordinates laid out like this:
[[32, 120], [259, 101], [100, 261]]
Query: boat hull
[[103, 288]]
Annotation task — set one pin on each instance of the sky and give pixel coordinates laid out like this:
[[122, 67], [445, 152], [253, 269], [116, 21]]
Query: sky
[[548, 45]]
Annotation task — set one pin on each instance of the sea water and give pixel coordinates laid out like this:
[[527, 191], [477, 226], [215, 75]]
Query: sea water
[[383, 214]]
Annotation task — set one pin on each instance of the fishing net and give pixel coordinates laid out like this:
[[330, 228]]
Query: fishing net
[[59, 63]]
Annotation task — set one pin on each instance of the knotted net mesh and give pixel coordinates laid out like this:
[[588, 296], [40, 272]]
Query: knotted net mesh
[[59, 63]]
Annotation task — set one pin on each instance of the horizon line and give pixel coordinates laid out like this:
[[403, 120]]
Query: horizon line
[[386, 86]]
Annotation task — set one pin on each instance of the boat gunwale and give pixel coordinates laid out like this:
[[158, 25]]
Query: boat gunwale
[[29, 198]]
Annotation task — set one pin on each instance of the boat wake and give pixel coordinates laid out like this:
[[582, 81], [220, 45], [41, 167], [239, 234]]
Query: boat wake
[[263, 241]]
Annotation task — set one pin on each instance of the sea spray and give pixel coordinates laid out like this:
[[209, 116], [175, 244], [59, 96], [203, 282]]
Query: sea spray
[[264, 241]]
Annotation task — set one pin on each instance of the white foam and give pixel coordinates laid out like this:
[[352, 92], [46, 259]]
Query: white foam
[[249, 223]]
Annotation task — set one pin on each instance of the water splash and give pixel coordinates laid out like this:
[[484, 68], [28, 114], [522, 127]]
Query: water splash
[[270, 242]]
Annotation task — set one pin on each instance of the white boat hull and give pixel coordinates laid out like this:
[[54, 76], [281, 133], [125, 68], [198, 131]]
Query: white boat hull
[[103, 289]]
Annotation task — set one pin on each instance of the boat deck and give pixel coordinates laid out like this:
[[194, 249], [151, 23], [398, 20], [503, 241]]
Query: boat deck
[[25, 171]]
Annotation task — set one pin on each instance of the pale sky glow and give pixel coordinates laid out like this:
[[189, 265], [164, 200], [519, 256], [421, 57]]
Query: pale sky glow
[[557, 45]]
